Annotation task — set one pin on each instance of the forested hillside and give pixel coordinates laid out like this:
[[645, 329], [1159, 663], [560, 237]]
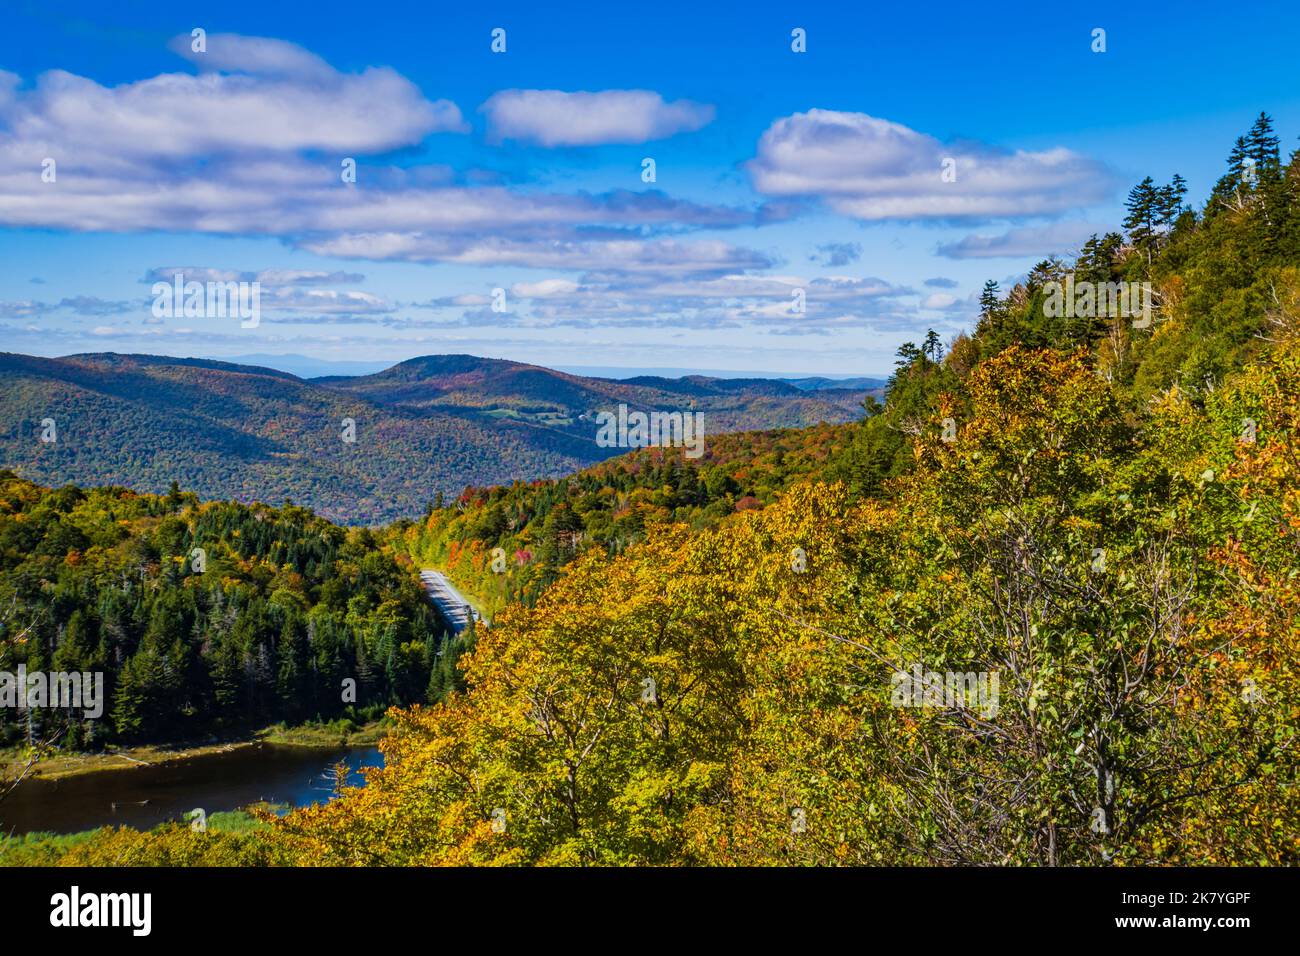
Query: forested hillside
[[1096, 520], [356, 450], [508, 543], [511, 392], [206, 618]]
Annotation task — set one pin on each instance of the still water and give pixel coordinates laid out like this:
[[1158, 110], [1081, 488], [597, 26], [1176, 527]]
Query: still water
[[143, 797]]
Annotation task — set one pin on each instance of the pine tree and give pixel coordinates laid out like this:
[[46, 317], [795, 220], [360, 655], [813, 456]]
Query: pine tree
[[1227, 192], [365, 673], [907, 355], [1143, 205], [291, 680], [1170, 203], [1261, 145], [129, 702], [990, 300], [932, 348]]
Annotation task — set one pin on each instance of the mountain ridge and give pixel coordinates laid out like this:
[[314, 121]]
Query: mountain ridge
[[427, 426]]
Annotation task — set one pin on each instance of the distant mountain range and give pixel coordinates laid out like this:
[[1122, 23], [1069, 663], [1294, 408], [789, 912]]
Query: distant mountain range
[[818, 383], [424, 426], [305, 366]]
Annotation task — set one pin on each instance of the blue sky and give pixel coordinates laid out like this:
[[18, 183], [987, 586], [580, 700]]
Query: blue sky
[[777, 173]]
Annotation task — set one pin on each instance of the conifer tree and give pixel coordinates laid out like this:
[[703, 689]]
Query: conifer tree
[[990, 299], [1143, 205], [1261, 145], [1170, 204], [932, 348]]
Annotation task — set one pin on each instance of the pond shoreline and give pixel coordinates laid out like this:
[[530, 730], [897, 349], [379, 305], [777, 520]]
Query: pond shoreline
[[214, 779], [61, 766]]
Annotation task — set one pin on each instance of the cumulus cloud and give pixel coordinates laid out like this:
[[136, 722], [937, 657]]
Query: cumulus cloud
[[938, 300], [252, 108], [1062, 238], [557, 118], [236, 149], [872, 169]]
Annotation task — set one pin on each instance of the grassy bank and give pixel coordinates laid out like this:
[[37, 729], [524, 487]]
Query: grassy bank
[[338, 733]]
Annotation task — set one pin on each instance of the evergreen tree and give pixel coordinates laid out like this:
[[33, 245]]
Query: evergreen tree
[[1170, 202], [291, 680], [990, 300], [1261, 146], [932, 348], [1144, 208], [1228, 191]]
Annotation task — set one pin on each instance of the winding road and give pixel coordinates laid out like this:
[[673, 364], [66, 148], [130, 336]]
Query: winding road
[[451, 604]]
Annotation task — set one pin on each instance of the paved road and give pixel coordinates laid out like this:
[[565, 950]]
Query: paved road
[[451, 604]]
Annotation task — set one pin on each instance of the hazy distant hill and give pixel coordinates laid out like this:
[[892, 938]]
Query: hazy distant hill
[[816, 383], [428, 425], [304, 366]]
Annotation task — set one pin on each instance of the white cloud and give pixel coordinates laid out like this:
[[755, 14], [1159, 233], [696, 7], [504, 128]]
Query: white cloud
[[872, 169], [938, 300], [558, 118], [233, 53], [545, 289], [177, 115], [251, 145], [1062, 239]]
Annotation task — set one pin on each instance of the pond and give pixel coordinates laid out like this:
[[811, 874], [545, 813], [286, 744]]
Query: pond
[[142, 797]]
